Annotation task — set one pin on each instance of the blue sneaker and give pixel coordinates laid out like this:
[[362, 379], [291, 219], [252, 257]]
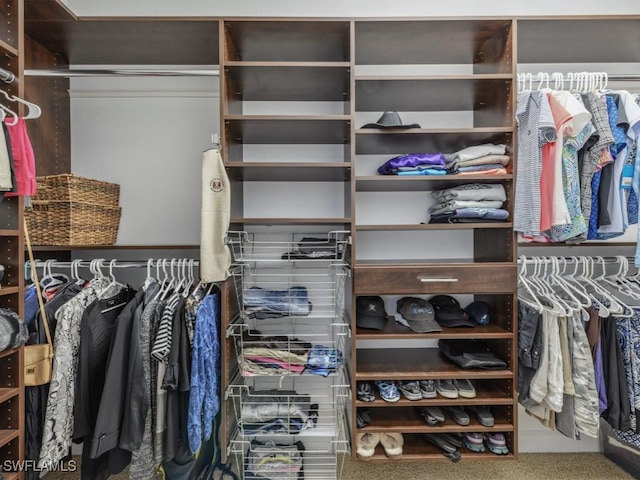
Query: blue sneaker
[[388, 390]]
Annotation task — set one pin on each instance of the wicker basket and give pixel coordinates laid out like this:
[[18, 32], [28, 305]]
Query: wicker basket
[[71, 188], [72, 223]]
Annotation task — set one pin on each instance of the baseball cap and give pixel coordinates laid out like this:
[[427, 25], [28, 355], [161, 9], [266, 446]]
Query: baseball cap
[[370, 312], [419, 314], [449, 313], [479, 312]]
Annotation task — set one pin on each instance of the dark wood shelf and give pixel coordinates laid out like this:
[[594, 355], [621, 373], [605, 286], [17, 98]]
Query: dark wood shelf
[[291, 221], [9, 49], [288, 81], [394, 330], [590, 243], [289, 41], [435, 226], [8, 393], [446, 140], [395, 183], [6, 353], [288, 129], [538, 40], [68, 248], [426, 42], [409, 420], [425, 263], [6, 435], [12, 476], [9, 232], [434, 94], [483, 397], [414, 364], [288, 172], [129, 40], [416, 448], [4, 291]]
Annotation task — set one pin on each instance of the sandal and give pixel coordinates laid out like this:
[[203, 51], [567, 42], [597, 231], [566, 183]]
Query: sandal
[[392, 443], [366, 445]]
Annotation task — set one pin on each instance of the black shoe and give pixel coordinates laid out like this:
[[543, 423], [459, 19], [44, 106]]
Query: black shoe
[[447, 449]]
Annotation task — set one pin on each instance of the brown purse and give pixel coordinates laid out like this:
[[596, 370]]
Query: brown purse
[[38, 357]]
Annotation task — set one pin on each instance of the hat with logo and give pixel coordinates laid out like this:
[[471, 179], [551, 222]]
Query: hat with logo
[[419, 314], [370, 312], [449, 313], [479, 312]]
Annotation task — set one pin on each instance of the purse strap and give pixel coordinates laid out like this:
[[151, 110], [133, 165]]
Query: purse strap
[[34, 272]]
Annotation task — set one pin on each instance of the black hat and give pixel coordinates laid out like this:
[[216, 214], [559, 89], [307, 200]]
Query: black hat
[[390, 120], [449, 313], [419, 314], [479, 312], [370, 312]]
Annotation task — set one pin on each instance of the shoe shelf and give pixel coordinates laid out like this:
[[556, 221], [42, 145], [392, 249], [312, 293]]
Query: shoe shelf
[[415, 364], [487, 393], [409, 420], [417, 448]]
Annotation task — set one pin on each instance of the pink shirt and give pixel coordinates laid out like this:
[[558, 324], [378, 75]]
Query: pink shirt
[[24, 160]]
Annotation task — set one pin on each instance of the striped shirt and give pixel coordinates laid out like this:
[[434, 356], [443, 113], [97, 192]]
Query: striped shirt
[[162, 342]]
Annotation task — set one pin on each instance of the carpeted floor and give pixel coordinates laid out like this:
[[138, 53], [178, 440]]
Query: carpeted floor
[[530, 466]]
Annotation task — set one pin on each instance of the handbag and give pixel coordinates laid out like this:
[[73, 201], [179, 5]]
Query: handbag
[[37, 358]]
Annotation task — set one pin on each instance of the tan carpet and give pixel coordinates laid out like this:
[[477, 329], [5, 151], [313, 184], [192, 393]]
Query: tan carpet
[[530, 466]]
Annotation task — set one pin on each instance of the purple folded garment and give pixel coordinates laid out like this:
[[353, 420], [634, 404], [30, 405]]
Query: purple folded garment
[[411, 160]]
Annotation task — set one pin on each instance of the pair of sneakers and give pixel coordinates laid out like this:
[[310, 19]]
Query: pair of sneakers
[[417, 390], [495, 442], [387, 390], [455, 388]]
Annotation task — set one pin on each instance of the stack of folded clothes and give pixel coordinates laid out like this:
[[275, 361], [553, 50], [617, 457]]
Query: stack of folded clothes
[[277, 411], [280, 355], [415, 164], [476, 202], [485, 159], [274, 461], [316, 248], [261, 303]]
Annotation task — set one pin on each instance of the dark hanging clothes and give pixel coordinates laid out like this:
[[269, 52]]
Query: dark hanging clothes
[[36, 397], [618, 412]]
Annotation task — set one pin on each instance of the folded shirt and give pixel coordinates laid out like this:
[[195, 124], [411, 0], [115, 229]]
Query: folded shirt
[[427, 171], [390, 167], [476, 151], [480, 168], [452, 205], [494, 171], [472, 214], [472, 191], [487, 159]]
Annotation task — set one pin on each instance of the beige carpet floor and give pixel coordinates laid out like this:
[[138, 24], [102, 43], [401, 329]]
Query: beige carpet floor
[[529, 466]]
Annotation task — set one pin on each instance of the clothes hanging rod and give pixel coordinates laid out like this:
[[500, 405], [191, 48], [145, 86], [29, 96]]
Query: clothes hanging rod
[[160, 262], [122, 72], [6, 76], [572, 259]]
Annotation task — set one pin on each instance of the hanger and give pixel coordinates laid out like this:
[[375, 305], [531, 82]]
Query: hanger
[[34, 111], [559, 282], [532, 300], [543, 291], [584, 278], [575, 287]]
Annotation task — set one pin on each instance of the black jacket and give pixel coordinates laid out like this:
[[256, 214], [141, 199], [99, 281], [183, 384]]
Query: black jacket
[[125, 376]]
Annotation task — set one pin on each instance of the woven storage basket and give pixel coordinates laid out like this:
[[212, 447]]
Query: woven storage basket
[[71, 188], [72, 223]]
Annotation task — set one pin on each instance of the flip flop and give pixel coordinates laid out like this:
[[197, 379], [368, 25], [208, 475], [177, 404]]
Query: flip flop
[[392, 443], [366, 445]]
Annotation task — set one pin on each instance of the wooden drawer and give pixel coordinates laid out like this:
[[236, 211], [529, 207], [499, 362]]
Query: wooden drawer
[[435, 279]]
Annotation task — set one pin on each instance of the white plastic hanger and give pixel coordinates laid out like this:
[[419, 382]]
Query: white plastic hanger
[[532, 300], [34, 111]]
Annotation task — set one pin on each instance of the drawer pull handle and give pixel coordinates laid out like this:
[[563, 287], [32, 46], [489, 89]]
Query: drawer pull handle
[[434, 280]]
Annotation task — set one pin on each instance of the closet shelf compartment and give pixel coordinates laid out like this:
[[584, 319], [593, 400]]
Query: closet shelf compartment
[[435, 226], [416, 448], [483, 397], [7, 435], [9, 232], [4, 291], [239, 222], [409, 420], [287, 81], [250, 247], [395, 183], [393, 330], [445, 140], [415, 364], [8, 49], [298, 406], [8, 393], [289, 172], [288, 129], [6, 353], [437, 94]]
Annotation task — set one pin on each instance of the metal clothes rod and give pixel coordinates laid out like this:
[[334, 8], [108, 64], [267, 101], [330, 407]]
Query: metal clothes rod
[[116, 264], [122, 72], [7, 76], [572, 259]]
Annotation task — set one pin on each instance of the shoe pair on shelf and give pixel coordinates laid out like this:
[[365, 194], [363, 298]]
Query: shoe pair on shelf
[[434, 415], [391, 442], [387, 390], [455, 388], [496, 442]]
